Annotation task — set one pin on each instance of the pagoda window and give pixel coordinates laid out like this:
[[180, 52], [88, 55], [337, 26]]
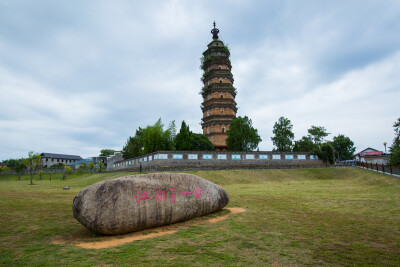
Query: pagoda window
[[208, 113], [223, 112], [222, 96], [220, 81], [223, 129], [220, 67], [208, 131]]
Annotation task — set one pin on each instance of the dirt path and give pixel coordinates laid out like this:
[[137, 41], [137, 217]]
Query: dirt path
[[113, 241]]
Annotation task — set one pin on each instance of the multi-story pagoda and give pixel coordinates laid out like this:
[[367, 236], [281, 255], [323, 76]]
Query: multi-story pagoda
[[219, 106]]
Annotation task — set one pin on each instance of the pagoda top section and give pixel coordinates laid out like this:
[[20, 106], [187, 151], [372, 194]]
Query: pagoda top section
[[215, 32]]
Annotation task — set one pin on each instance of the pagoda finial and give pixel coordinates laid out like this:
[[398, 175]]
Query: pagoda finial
[[215, 32]]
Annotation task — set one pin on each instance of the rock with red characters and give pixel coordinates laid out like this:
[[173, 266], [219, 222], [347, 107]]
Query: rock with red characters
[[137, 202]]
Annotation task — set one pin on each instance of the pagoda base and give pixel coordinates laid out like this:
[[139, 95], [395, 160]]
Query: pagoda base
[[221, 148]]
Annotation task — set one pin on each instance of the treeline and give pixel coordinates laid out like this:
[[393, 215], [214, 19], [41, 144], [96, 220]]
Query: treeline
[[340, 148], [155, 138]]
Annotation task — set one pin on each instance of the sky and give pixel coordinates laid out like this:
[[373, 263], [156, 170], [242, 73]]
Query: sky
[[80, 76]]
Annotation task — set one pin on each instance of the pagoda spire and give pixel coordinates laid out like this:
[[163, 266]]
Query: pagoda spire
[[215, 32]]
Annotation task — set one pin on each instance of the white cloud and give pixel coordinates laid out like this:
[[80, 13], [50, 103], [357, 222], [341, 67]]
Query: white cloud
[[360, 105]]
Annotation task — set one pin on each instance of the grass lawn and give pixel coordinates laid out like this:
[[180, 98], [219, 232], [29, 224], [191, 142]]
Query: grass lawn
[[328, 216]]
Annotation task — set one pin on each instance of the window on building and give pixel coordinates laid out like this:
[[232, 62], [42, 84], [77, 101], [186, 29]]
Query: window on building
[[223, 112], [222, 96], [208, 113], [223, 129], [220, 81]]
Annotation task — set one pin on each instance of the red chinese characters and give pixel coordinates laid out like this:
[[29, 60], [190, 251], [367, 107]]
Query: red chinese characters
[[142, 196], [161, 195]]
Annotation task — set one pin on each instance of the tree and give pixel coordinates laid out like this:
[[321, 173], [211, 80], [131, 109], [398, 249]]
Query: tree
[[106, 152], [32, 163], [155, 138], [101, 167], [152, 138], [327, 153], [344, 147], [133, 145], [67, 170], [182, 139], [241, 135], [11, 163], [305, 144], [19, 167], [200, 142], [283, 135], [84, 166], [317, 133], [4, 169], [395, 148], [80, 170], [91, 166]]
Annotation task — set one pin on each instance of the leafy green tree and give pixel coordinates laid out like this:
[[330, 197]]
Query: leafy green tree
[[67, 170], [91, 166], [182, 139], [11, 163], [155, 138], [187, 140], [19, 167], [152, 138], [305, 144], [317, 133], [395, 148], [32, 163], [84, 166], [200, 142], [172, 133], [327, 153], [80, 170], [106, 152], [4, 169], [283, 135], [395, 156], [101, 167], [241, 135], [133, 145], [344, 147]]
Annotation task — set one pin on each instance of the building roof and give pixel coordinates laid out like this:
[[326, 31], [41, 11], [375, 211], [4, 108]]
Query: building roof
[[370, 152], [60, 156], [81, 161]]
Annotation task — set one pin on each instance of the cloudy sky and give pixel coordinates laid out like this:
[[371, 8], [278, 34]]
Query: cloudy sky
[[79, 76]]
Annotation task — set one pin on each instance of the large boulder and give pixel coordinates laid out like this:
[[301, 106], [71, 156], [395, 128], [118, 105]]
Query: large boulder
[[137, 202]]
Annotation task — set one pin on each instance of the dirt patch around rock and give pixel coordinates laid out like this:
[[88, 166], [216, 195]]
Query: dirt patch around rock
[[113, 241]]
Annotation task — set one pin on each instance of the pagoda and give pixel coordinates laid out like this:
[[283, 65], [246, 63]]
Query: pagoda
[[219, 106]]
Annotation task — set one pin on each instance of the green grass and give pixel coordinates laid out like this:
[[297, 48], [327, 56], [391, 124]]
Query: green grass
[[343, 216]]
